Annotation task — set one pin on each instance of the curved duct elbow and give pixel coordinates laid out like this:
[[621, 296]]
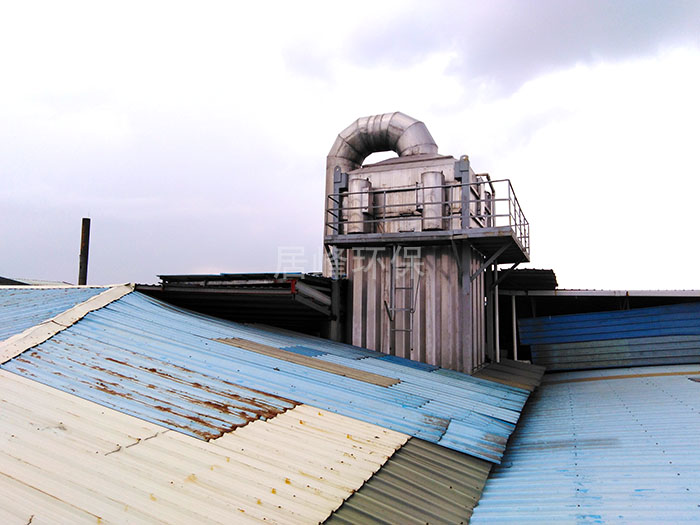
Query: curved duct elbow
[[388, 132]]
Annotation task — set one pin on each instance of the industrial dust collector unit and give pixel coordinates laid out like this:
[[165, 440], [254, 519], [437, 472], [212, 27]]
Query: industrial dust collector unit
[[420, 238]]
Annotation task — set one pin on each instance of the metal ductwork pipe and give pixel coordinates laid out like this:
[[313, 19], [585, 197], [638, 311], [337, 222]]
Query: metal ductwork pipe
[[388, 132]]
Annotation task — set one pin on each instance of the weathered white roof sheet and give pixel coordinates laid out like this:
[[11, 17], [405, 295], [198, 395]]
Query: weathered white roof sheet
[[65, 459]]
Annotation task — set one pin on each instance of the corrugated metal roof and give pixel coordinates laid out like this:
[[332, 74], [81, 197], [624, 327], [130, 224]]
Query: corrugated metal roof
[[607, 450], [24, 307], [160, 363], [150, 387], [638, 337], [513, 373], [422, 483], [296, 357], [67, 460]]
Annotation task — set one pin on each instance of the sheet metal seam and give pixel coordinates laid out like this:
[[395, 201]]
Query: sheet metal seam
[[301, 487], [40, 333]]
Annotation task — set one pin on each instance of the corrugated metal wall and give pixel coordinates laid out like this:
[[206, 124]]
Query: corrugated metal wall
[[478, 313], [436, 327], [644, 336]]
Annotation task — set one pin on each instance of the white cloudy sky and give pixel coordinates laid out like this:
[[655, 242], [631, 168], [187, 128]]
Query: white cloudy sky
[[195, 134]]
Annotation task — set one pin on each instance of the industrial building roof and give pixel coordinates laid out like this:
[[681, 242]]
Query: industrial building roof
[[24, 307], [67, 460], [421, 483], [123, 408], [170, 366], [604, 446]]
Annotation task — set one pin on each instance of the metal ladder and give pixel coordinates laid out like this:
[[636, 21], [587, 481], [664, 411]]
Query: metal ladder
[[400, 264]]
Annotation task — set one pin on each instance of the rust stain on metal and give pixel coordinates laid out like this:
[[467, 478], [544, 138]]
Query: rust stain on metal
[[217, 427], [207, 411], [104, 388], [259, 407]]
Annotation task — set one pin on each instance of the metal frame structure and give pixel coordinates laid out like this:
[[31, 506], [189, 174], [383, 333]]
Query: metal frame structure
[[487, 212], [440, 306]]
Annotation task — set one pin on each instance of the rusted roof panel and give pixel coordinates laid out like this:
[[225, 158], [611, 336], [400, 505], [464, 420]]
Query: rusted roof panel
[[163, 364], [64, 459], [149, 387]]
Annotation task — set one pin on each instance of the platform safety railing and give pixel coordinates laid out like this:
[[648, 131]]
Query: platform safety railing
[[449, 207]]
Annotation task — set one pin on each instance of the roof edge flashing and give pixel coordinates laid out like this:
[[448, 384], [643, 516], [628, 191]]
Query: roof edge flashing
[[37, 334]]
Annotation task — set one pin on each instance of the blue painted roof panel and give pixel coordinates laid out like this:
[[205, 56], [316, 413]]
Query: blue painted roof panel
[[408, 362], [593, 447], [302, 350], [161, 364], [24, 307]]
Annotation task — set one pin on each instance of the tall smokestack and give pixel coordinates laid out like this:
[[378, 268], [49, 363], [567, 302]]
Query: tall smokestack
[[84, 248]]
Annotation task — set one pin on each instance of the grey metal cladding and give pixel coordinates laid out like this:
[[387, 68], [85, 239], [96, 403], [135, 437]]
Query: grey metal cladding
[[421, 483]]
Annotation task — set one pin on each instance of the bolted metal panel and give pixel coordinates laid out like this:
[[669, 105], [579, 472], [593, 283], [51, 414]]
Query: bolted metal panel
[[24, 307], [66, 460], [602, 446], [422, 483]]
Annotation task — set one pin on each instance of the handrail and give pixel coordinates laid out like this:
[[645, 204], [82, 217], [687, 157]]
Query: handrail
[[441, 207]]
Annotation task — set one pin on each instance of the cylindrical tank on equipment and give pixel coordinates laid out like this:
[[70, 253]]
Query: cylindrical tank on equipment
[[359, 206], [433, 200]]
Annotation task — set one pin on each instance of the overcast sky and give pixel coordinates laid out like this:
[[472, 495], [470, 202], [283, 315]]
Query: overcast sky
[[195, 134]]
